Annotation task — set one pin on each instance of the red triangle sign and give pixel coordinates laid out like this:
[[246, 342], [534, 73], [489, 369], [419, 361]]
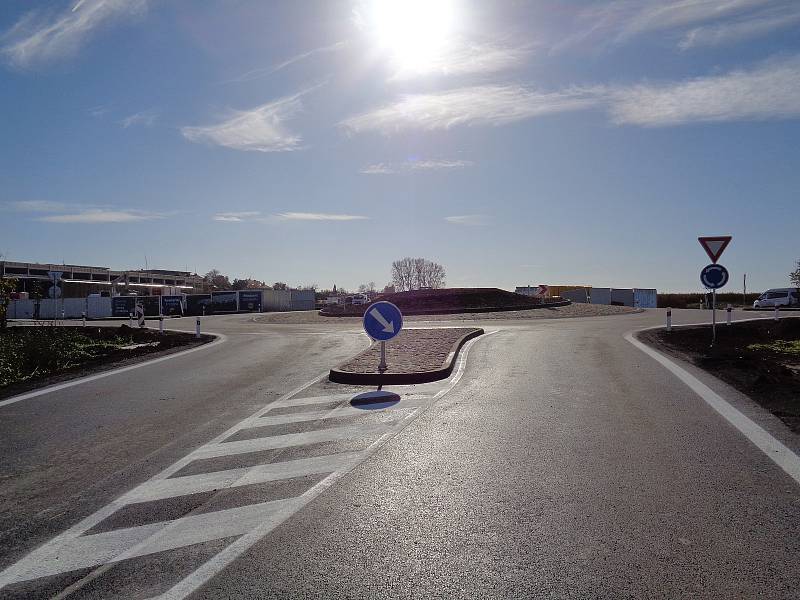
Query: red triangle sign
[[714, 246]]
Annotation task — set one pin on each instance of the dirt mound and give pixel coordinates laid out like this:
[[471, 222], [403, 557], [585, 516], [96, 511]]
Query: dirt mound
[[450, 301]]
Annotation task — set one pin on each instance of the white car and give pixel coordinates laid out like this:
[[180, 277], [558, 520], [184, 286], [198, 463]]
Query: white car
[[778, 297]]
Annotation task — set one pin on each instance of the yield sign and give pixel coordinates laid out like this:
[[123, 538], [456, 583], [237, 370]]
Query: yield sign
[[714, 246]]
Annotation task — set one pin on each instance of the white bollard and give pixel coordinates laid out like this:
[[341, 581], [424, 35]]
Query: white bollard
[[83, 318], [669, 319], [197, 329], [161, 325], [728, 309], [777, 312], [130, 320]]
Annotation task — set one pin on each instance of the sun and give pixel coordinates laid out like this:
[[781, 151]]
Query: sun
[[414, 33]]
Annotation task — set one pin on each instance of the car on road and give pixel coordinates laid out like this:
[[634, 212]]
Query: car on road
[[778, 297]]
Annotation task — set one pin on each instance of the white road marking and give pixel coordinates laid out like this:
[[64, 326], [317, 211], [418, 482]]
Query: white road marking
[[217, 480], [336, 413], [73, 549], [290, 439], [763, 440], [120, 544], [218, 562], [73, 382]]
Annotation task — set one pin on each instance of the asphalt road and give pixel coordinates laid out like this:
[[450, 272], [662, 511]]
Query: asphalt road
[[559, 461]]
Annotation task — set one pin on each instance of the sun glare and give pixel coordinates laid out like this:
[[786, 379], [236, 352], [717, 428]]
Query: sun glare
[[414, 33]]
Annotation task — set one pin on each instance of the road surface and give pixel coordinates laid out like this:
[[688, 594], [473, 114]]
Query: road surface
[[559, 461]]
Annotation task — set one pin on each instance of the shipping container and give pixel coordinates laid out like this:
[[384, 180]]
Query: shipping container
[[601, 295], [645, 297], [579, 295], [622, 296]]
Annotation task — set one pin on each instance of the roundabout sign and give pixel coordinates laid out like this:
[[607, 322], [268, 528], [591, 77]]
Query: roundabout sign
[[714, 277]]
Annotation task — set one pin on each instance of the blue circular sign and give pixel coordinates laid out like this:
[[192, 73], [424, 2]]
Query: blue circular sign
[[382, 321], [714, 277]]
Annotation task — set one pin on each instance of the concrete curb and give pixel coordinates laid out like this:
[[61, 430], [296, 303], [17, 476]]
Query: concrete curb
[[338, 376]]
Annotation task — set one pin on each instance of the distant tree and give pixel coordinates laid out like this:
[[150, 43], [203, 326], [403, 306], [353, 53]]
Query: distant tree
[[308, 286], [7, 286], [217, 280], [279, 285], [794, 276], [415, 273]]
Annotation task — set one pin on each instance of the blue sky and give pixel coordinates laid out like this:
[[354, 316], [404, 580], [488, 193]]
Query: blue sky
[[315, 142]]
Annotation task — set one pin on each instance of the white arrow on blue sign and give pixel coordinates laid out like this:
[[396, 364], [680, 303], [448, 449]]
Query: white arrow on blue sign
[[382, 321], [714, 276]]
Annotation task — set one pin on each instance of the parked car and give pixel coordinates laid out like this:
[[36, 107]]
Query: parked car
[[778, 297], [360, 300]]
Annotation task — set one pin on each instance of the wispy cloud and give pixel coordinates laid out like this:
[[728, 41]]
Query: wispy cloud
[[145, 118], [102, 216], [260, 129], [462, 57], [38, 206], [415, 165], [701, 22], [738, 31], [236, 217], [480, 105], [99, 111], [40, 37], [305, 216], [64, 212], [468, 220], [768, 91], [264, 72]]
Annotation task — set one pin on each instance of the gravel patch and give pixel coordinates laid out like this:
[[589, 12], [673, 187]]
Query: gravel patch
[[559, 312], [412, 351]]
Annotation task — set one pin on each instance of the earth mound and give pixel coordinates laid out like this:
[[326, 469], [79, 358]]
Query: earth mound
[[451, 301]]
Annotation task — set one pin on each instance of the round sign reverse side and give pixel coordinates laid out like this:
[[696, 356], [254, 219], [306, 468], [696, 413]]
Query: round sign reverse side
[[714, 276], [382, 321]]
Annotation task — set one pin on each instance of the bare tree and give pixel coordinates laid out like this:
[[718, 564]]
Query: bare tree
[[217, 280], [794, 276], [416, 273]]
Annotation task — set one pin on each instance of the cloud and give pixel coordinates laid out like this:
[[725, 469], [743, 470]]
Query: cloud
[[38, 206], [768, 91], [146, 118], [258, 73], [415, 165], [703, 22], [480, 105], [102, 216], [260, 129], [39, 38], [731, 33], [467, 220], [236, 217], [462, 57], [304, 216]]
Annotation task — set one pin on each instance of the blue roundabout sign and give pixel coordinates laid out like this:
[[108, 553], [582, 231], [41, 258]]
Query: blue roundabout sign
[[714, 276]]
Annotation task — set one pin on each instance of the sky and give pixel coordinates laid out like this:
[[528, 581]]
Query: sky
[[514, 142]]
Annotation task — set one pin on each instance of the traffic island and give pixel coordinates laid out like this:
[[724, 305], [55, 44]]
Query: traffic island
[[759, 358], [414, 356]]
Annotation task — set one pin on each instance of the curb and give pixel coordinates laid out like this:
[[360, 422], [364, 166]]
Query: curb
[[338, 376], [454, 311]]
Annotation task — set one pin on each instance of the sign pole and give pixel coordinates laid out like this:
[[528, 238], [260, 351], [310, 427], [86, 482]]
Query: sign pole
[[713, 316], [382, 367]]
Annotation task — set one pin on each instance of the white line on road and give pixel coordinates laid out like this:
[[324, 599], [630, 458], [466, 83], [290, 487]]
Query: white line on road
[[218, 562], [73, 382], [763, 440]]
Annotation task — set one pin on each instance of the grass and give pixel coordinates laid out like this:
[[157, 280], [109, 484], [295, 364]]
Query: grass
[[789, 347], [31, 352]]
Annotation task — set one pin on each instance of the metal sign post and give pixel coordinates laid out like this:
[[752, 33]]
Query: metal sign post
[[714, 277], [382, 321]]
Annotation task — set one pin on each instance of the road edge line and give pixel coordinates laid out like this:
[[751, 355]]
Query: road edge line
[[220, 339], [780, 454]]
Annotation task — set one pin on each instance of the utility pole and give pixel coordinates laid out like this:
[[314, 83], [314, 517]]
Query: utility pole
[[744, 291]]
